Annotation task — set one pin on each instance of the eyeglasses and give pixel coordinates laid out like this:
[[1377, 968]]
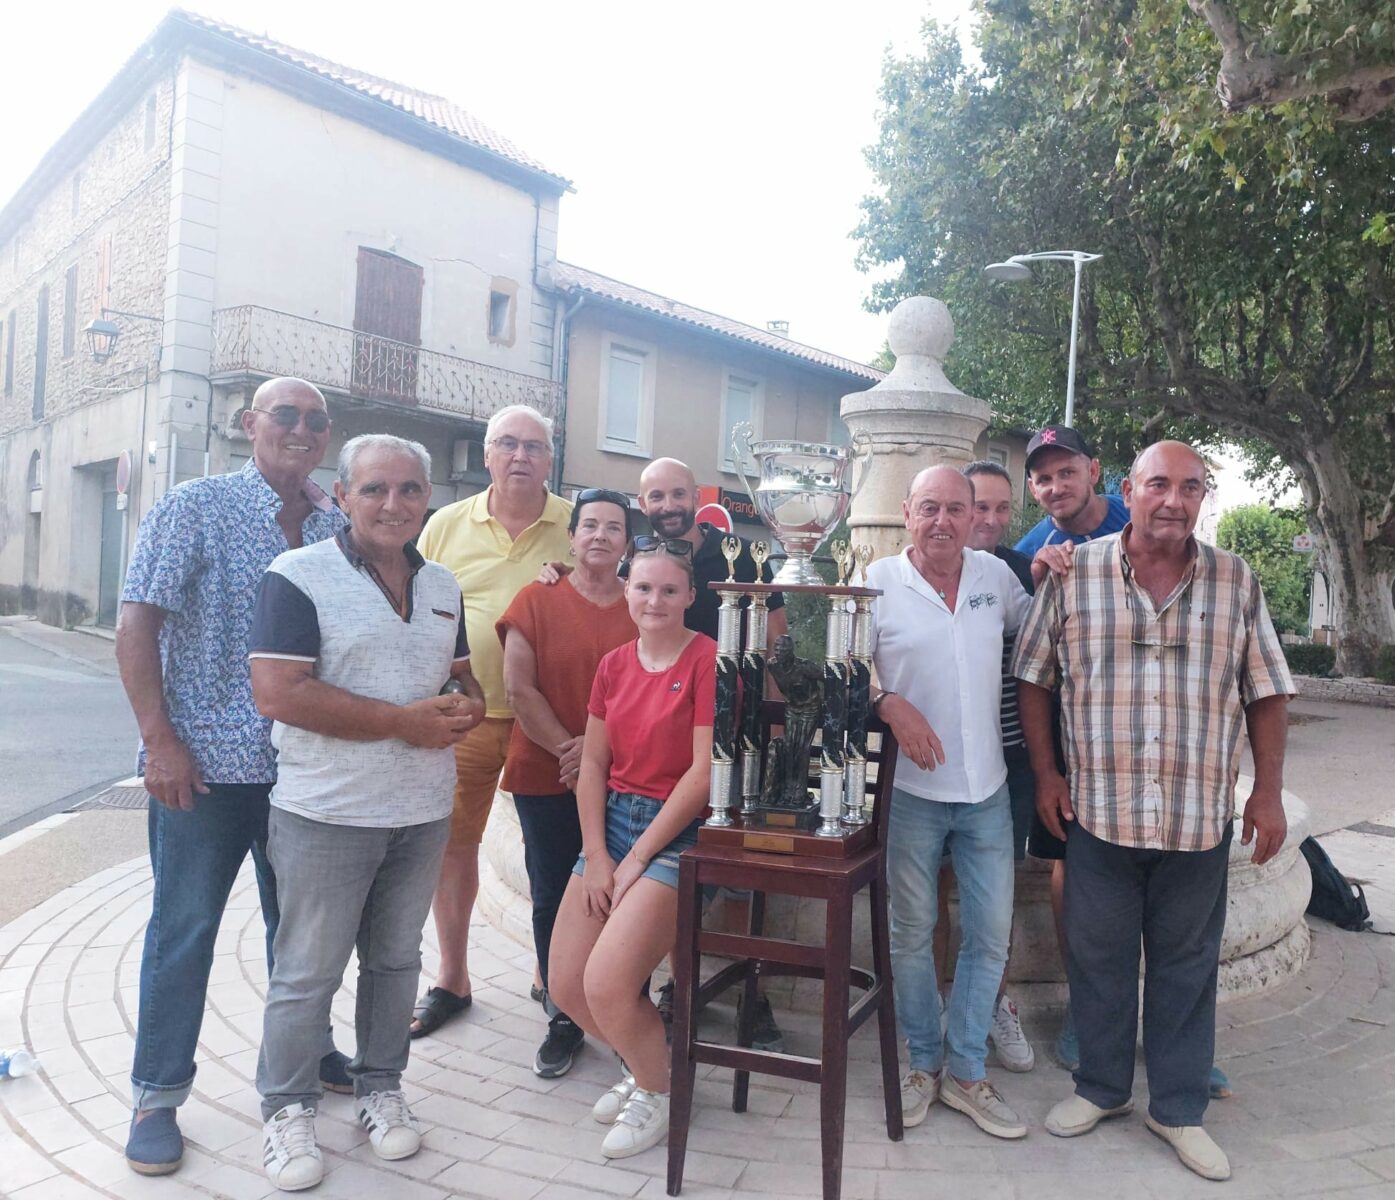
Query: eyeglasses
[[288, 416], [592, 495], [532, 448], [646, 544]]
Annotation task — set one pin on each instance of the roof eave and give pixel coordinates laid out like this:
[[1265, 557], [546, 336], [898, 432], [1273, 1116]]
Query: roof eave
[[694, 327]]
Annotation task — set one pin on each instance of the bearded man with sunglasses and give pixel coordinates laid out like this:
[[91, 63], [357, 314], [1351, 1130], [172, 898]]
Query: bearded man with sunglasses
[[181, 645]]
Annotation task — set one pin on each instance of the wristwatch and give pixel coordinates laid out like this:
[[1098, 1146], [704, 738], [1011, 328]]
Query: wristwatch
[[879, 697]]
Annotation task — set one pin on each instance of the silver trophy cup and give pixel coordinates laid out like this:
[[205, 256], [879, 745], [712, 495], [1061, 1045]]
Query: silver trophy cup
[[805, 489]]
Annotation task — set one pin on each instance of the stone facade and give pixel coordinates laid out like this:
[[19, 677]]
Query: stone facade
[[1352, 691]]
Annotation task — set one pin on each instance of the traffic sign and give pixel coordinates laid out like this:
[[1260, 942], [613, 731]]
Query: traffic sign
[[1303, 543]]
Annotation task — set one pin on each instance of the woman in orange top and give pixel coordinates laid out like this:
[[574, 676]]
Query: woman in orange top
[[567, 628]]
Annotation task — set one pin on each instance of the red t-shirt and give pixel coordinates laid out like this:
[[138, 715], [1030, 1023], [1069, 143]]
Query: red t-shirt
[[650, 716]]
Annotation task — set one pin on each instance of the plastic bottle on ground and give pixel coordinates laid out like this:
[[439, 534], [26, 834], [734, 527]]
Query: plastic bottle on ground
[[14, 1063]]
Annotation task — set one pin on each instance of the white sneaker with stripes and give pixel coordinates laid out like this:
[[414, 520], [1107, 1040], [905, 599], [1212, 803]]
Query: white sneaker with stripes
[[392, 1129], [289, 1153]]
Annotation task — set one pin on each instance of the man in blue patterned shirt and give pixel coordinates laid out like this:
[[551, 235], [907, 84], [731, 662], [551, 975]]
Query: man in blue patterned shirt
[[206, 754]]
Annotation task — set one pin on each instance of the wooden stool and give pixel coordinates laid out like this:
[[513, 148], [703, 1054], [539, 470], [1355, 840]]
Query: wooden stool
[[831, 878]]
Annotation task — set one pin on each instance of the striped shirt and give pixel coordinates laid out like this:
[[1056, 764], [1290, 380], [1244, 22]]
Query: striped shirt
[[1153, 696], [1010, 720]]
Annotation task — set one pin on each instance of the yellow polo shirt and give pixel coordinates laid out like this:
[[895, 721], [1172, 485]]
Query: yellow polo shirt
[[492, 568]]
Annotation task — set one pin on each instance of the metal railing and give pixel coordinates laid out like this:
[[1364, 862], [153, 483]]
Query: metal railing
[[261, 341]]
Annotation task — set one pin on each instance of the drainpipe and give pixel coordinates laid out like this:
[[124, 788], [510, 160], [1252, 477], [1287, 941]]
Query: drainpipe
[[563, 358]]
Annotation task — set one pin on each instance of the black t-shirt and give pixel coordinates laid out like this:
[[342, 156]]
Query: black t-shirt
[[708, 567]]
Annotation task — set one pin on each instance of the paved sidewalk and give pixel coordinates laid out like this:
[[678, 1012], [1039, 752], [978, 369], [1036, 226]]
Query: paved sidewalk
[[1313, 1066]]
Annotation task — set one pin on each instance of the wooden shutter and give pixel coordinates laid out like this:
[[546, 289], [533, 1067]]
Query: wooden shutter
[[387, 325]]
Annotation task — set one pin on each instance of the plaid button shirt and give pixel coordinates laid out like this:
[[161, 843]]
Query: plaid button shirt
[[1153, 696]]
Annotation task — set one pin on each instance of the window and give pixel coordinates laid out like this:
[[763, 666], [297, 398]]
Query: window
[[998, 453], [10, 354], [70, 286], [40, 353], [150, 121], [627, 396], [502, 293], [741, 404], [77, 192]]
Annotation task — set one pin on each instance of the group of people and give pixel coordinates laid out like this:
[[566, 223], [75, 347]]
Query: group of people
[[339, 686]]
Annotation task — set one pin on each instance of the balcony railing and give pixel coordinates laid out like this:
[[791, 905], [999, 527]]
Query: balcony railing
[[262, 341]]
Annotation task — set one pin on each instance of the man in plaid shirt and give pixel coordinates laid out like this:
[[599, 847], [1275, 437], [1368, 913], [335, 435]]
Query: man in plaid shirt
[[1162, 649]]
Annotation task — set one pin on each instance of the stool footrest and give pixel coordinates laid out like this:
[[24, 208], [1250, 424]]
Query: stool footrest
[[763, 1062]]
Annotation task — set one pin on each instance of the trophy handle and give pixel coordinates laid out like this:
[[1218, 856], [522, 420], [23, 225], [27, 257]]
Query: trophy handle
[[741, 441], [862, 443]]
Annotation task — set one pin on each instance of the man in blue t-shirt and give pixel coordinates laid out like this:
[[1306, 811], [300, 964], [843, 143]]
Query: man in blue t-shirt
[[1062, 473]]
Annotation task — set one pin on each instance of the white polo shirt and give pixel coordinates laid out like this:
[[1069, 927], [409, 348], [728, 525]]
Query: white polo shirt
[[321, 604], [949, 665]]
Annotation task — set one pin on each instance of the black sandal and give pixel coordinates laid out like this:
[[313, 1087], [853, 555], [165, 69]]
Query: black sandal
[[436, 1008]]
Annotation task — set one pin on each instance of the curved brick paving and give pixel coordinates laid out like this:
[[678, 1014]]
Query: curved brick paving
[[1313, 1065]]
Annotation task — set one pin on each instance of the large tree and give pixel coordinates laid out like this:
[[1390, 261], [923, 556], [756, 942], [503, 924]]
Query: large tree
[[1246, 289], [1263, 537]]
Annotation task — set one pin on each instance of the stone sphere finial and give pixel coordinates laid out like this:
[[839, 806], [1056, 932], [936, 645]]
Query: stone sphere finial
[[920, 327]]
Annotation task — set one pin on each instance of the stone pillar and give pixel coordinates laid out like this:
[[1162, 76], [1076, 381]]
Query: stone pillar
[[915, 418]]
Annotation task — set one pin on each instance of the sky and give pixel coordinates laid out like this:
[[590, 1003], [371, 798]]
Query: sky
[[715, 148]]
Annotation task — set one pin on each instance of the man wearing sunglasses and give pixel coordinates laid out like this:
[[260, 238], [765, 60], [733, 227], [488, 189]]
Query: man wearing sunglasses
[[206, 754], [494, 544]]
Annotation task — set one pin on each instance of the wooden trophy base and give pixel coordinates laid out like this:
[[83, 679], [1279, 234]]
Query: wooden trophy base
[[758, 835]]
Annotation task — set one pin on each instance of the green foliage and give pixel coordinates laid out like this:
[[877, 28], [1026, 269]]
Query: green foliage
[[1385, 664], [1305, 658], [1263, 537], [1247, 288]]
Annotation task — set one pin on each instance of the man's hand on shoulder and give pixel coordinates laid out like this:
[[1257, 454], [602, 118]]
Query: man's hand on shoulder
[[553, 573], [1057, 559], [914, 736], [1265, 824]]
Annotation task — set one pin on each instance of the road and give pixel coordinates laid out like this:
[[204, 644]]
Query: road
[[65, 727]]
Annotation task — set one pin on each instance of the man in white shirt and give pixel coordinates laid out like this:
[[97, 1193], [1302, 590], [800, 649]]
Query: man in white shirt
[[938, 632]]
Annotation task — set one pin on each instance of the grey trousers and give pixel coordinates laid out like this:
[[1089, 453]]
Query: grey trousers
[[344, 887]]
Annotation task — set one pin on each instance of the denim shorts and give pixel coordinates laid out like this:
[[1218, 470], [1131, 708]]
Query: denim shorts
[[627, 816]]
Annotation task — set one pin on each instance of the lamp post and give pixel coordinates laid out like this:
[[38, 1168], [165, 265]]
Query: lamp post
[[1016, 270]]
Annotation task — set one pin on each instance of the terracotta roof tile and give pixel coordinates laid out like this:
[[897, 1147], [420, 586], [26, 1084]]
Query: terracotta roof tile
[[571, 278], [433, 110]]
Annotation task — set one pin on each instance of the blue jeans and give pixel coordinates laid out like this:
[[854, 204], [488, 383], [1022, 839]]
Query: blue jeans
[[980, 837], [195, 857], [627, 816]]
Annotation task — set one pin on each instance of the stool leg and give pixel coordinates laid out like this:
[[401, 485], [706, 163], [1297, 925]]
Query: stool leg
[[833, 1085], [746, 1010], [886, 1008], [682, 1066]]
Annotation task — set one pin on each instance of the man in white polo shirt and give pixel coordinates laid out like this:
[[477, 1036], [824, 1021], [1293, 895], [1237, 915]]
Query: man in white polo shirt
[[353, 641], [938, 632]]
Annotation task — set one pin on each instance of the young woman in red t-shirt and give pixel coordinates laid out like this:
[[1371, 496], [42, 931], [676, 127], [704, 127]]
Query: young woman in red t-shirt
[[640, 794]]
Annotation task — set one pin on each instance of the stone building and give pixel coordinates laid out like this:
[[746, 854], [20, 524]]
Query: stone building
[[213, 203]]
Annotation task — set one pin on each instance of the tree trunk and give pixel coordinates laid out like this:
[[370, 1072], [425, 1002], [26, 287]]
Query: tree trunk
[[1362, 609]]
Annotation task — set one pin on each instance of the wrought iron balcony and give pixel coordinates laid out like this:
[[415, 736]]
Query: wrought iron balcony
[[249, 340]]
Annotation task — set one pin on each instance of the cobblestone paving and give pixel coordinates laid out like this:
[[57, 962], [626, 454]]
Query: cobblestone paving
[[1313, 1066]]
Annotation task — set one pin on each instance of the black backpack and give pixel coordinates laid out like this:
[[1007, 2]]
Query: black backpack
[[1334, 897]]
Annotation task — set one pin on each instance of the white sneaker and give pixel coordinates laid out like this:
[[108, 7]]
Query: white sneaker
[[289, 1153], [392, 1129], [608, 1107], [1014, 1050], [919, 1090], [642, 1123], [982, 1103]]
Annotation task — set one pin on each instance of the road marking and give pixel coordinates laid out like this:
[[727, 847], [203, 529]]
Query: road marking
[[57, 674]]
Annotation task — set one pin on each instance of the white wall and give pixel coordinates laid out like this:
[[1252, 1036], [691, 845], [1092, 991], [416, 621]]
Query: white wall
[[302, 189]]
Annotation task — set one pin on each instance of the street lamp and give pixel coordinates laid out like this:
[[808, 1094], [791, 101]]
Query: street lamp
[[103, 333], [1016, 270]]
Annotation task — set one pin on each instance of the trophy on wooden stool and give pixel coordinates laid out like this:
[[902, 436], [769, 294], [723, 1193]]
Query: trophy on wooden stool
[[804, 491]]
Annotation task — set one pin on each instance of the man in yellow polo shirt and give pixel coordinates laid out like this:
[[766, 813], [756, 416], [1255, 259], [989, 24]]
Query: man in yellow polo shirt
[[494, 544]]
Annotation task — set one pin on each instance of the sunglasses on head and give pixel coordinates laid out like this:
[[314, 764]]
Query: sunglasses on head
[[646, 544], [591, 495], [288, 417]]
